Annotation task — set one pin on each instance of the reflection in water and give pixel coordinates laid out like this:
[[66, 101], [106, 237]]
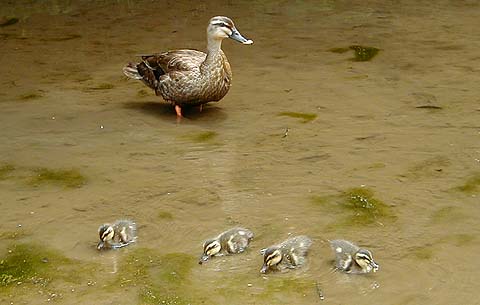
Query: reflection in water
[[307, 142]]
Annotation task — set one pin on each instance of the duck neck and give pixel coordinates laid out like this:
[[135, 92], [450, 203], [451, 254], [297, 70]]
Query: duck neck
[[214, 47]]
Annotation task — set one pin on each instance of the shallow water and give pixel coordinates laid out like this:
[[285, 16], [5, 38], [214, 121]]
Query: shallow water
[[81, 145]]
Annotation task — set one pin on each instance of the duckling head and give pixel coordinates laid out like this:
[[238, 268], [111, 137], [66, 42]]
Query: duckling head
[[106, 234], [364, 259], [210, 248], [221, 27], [271, 257]]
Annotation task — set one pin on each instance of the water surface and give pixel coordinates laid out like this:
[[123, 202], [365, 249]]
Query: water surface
[[82, 145]]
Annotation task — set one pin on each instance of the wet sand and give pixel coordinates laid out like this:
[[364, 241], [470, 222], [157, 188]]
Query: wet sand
[[404, 125]]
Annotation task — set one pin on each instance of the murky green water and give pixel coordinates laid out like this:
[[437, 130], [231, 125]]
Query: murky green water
[[382, 150]]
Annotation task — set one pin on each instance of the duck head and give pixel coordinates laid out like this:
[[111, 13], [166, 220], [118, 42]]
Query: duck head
[[221, 27], [271, 257], [365, 260], [106, 234], [210, 248]]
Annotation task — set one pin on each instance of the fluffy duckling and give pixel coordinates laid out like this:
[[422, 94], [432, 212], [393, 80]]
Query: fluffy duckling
[[117, 235], [290, 254], [350, 258], [232, 241]]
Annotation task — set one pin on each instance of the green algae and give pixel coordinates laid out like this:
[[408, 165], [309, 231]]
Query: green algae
[[68, 178], [304, 117], [165, 215], [269, 289], [162, 279], [201, 137], [154, 296], [6, 170], [176, 267], [363, 53], [30, 96], [354, 207], [472, 184], [29, 263]]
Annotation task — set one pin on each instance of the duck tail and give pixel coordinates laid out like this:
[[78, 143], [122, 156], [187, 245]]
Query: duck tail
[[130, 70]]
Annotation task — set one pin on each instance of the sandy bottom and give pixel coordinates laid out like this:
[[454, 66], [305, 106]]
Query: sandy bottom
[[81, 145]]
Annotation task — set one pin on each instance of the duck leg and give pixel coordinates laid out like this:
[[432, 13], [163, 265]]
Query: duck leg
[[178, 110], [201, 107]]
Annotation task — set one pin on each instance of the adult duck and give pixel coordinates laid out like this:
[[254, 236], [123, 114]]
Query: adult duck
[[190, 77]]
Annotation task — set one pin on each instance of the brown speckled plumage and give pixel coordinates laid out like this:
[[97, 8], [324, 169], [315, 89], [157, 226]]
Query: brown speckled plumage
[[190, 77]]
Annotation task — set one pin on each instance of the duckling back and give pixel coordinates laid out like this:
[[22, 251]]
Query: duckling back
[[125, 231], [232, 241], [350, 258], [235, 240], [295, 250], [290, 254]]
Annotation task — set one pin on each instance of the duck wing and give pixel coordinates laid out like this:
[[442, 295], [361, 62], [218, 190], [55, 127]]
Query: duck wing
[[178, 60], [154, 66]]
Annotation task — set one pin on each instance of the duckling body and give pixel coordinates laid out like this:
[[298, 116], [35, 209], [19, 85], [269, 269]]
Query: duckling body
[[290, 254], [117, 235], [350, 258], [190, 77], [232, 241]]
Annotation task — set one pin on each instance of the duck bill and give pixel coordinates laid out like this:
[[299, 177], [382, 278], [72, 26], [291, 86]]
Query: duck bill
[[264, 268], [238, 37], [100, 245], [375, 266], [203, 259]]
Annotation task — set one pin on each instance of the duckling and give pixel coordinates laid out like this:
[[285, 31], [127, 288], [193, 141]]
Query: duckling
[[232, 241], [190, 77], [350, 258], [117, 235], [290, 254]]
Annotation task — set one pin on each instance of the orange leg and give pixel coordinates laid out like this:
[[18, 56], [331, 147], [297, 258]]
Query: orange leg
[[178, 110]]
